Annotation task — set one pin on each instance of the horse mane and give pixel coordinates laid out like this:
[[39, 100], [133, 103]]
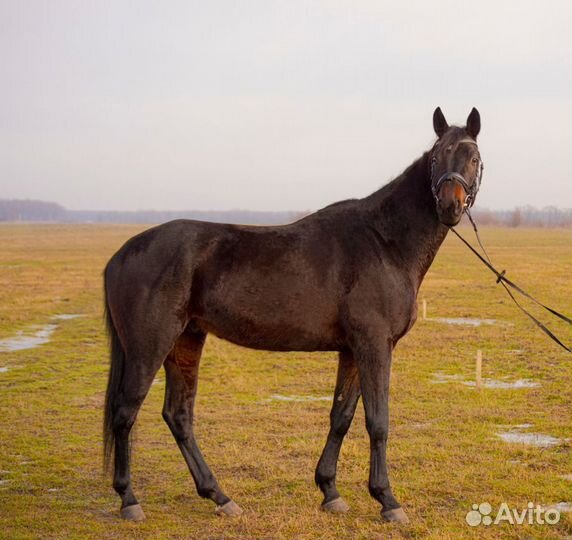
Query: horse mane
[[413, 179]]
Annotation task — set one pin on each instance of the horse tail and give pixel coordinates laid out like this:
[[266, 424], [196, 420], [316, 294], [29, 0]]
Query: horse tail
[[116, 369]]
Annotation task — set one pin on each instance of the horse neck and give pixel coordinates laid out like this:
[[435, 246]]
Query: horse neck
[[405, 219]]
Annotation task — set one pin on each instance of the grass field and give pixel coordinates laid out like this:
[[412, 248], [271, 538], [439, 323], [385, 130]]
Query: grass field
[[444, 454]]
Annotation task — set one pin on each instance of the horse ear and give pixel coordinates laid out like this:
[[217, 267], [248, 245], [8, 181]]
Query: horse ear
[[474, 123], [439, 123]]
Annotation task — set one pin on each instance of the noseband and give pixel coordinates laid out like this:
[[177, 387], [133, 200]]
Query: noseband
[[470, 191]]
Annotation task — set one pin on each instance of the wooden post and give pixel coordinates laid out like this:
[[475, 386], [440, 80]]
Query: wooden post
[[424, 309], [479, 370]]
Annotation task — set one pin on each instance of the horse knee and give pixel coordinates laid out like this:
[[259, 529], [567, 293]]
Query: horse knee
[[378, 431], [341, 424]]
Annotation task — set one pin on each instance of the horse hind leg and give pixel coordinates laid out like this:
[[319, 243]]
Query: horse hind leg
[[181, 369], [133, 390], [135, 360]]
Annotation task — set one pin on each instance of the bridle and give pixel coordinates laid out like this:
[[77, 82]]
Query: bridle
[[470, 190]]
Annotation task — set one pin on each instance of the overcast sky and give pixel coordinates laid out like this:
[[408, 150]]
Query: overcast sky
[[268, 105]]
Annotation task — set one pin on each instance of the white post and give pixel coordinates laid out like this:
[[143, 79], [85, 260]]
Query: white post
[[424, 309], [479, 369]]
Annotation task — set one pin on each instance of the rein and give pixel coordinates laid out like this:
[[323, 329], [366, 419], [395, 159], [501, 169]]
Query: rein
[[506, 283]]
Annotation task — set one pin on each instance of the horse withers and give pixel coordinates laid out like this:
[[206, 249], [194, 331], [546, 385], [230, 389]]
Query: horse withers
[[342, 279]]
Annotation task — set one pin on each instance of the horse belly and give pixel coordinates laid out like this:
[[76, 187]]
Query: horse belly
[[270, 318]]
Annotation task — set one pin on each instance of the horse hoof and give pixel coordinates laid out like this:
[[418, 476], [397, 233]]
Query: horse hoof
[[395, 515], [336, 506], [230, 509], [133, 513]]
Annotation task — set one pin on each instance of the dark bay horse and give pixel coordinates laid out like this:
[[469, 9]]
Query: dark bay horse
[[342, 279]]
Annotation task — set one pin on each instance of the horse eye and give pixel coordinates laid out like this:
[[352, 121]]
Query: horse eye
[[475, 160], [449, 148]]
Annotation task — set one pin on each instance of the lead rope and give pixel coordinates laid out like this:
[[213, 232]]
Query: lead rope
[[506, 283]]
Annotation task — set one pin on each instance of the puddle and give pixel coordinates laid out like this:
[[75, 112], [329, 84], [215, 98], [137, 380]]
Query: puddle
[[421, 425], [532, 439], [21, 340], [66, 316], [34, 336], [464, 321], [492, 383], [442, 378], [279, 397], [3, 369]]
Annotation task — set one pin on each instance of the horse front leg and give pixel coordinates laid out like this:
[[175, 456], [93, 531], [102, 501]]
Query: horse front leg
[[346, 396], [374, 365]]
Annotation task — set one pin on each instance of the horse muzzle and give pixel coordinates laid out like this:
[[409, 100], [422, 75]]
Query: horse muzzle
[[451, 199]]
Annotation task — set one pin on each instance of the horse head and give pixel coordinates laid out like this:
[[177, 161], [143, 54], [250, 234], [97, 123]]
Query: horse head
[[456, 166]]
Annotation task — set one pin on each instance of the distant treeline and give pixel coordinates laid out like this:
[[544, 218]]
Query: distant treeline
[[26, 210], [526, 216], [41, 211], [29, 210]]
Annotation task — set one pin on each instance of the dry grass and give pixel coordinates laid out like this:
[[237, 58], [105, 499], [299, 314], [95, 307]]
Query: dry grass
[[443, 452]]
